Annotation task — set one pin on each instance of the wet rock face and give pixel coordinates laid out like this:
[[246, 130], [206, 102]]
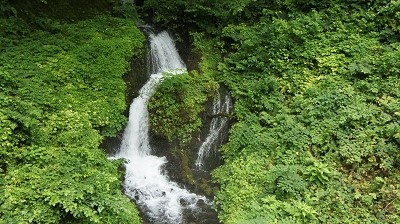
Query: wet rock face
[[187, 53]]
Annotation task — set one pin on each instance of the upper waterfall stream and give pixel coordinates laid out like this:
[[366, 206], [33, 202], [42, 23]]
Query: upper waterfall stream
[[163, 201]]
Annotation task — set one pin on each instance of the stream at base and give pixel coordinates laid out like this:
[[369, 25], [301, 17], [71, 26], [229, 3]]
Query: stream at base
[[146, 181]]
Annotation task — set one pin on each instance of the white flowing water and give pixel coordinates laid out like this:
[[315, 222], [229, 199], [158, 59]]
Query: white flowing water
[[145, 180], [221, 107]]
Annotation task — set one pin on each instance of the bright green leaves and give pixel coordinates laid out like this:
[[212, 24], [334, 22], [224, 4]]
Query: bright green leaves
[[244, 185], [285, 182], [6, 129], [80, 68], [316, 92], [318, 173], [60, 93], [68, 128], [47, 185], [343, 120], [261, 191], [177, 104]]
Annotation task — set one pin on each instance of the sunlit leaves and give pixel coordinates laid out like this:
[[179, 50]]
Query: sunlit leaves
[[47, 185], [60, 93]]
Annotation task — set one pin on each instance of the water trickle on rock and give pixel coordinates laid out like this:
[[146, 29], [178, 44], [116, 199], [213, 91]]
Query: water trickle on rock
[[221, 107], [146, 182]]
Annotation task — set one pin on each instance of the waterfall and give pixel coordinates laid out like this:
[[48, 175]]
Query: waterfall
[[145, 180], [221, 107], [163, 54]]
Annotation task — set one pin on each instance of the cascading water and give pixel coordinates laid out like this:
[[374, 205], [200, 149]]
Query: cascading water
[[145, 180], [221, 107]]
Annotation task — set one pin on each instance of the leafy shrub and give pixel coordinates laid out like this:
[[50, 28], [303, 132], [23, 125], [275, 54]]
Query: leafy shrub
[[60, 94], [175, 107], [47, 185]]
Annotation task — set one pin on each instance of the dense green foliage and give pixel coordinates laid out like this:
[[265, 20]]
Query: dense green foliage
[[64, 184], [176, 106], [61, 92], [316, 89]]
